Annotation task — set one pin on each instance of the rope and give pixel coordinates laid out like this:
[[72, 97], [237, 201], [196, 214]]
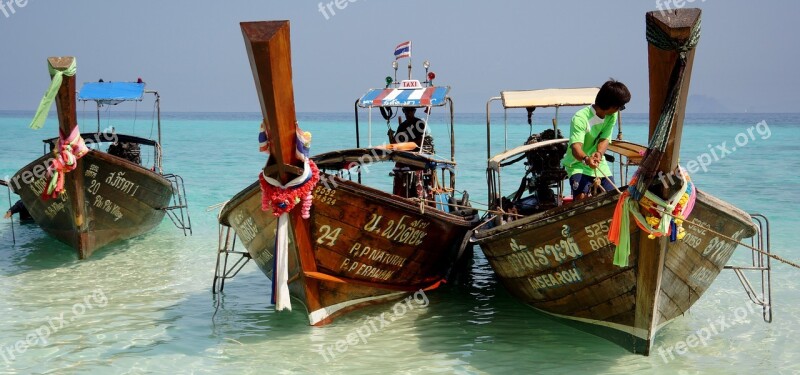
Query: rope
[[661, 40], [470, 207], [773, 256], [610, 181], [216, 206], [658, 142], [160, 159]]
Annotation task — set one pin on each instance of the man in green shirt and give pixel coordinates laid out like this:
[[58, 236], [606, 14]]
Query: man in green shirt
[[589, 136]]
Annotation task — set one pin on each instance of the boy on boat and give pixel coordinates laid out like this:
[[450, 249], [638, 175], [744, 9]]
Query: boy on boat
[[589, 136]]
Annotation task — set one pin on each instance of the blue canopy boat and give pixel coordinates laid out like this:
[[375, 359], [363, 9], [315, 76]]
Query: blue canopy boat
[[87, 197]]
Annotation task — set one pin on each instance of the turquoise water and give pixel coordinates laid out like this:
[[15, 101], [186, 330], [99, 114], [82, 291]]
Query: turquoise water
[[145, 305]]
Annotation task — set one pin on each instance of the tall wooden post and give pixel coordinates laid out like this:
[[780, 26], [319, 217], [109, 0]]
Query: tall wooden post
[[73, 181], [677, 24], [269, 51]]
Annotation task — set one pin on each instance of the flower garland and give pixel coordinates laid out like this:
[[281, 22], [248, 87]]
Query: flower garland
[[282, 199]]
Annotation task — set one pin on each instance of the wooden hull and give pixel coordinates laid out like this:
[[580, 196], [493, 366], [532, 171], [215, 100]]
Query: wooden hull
[[561, 263], [368, 246], [106, 199]]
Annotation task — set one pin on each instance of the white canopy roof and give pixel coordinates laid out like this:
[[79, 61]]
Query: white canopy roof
[[549, 97]]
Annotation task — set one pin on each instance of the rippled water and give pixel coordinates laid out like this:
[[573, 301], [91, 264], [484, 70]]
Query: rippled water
[[145, 305]]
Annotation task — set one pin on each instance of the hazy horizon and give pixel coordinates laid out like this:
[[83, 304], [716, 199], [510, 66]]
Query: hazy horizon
[[193, 53]]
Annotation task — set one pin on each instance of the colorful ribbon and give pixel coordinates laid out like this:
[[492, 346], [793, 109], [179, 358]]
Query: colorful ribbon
[[661, 218], [281, 199], [50, 94], [68, 150]]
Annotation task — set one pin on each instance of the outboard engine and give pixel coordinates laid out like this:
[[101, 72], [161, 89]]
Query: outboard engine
[[544, 174]]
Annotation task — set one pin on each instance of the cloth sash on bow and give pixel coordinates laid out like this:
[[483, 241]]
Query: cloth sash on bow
[[70, 147], [662, 217], [281, 199], [68, 150], [50, 94]]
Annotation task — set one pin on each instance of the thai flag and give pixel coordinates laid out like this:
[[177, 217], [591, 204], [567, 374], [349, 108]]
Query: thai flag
[[402, 50]]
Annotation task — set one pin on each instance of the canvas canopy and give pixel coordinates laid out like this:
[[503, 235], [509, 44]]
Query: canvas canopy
[[111, 92], [549, 97]]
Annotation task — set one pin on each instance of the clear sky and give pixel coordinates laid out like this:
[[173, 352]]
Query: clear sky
[[192, 52]]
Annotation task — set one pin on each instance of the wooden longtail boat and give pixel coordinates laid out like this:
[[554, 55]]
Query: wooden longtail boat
[[555, 255], [105, 198], [359, 245]]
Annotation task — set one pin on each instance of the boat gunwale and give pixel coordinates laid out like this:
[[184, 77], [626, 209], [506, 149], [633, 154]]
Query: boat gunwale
[[354, 188], [550, 216]]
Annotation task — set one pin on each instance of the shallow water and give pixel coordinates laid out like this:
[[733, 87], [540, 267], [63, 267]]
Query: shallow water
[[145, 305]]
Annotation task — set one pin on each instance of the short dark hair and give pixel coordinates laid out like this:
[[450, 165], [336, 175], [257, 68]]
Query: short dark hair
[[612, 94]]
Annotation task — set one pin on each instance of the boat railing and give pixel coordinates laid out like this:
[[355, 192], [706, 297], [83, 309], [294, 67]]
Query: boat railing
[[178, 210], [760, 265], [226, 248]]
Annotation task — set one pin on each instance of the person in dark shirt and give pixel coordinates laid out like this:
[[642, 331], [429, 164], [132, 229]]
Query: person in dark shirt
[[18, 208], [410, 130]]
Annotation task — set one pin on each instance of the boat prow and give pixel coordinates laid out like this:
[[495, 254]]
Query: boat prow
[[556, 255], [356, 245], [88, 198]]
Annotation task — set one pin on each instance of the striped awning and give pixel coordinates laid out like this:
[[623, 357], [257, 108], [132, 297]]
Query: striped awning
[[421, 97]]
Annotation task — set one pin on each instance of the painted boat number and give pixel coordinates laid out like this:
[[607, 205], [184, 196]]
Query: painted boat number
[[330, 235], [325, 195], [598, 234]]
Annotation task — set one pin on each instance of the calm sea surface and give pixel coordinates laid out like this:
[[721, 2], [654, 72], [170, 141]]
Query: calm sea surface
[[145, 305]]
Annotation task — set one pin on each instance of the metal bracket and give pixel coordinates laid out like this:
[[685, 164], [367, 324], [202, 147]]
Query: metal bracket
[[760, 264]]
